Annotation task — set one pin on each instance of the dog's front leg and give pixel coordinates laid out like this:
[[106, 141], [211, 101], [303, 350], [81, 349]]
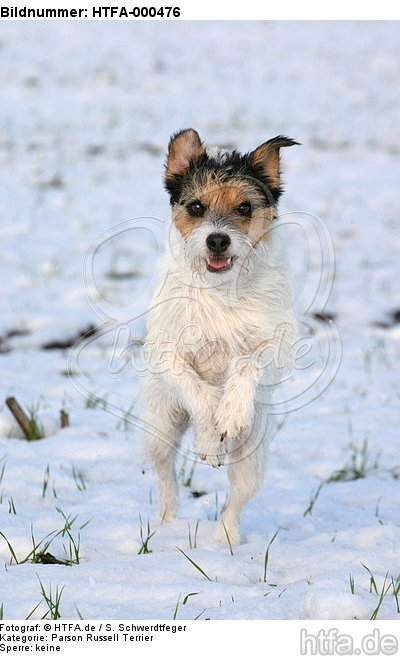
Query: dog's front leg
[[207, 443], [273, 355], [200, 400], [235, 410]]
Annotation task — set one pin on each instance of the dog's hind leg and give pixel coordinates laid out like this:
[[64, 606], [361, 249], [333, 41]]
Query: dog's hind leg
[[246, 474], [166, 423]]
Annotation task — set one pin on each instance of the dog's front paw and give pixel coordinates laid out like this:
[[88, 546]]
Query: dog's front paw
[[209, 447], [233, 417]]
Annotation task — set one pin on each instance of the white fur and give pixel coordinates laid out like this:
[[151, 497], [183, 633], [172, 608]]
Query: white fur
[[216, 345]]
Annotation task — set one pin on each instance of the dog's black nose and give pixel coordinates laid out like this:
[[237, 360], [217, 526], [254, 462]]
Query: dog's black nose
[[218, 242]]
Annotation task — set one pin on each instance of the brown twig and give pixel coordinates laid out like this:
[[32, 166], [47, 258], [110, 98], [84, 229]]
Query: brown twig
[[64, 418], [27, 426]]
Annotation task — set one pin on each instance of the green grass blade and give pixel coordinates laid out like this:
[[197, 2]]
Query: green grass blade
[[195, 564], [266, 558]]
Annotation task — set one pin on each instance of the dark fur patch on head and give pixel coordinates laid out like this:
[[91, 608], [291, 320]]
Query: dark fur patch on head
[[260, 167], [223, 167]]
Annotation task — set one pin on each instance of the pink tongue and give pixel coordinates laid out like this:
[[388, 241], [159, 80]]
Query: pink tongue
[[218, 263]]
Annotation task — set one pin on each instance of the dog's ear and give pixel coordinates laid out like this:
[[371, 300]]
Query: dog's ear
[[266, 160], [183, 148]]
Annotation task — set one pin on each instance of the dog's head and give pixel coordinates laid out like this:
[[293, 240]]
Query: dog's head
[[222, 202]]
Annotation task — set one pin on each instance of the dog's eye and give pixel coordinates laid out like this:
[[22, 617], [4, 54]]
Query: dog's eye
[[244, 209], [195, 208]]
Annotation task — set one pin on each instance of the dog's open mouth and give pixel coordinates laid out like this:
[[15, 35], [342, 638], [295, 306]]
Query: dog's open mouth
[[219, 264]]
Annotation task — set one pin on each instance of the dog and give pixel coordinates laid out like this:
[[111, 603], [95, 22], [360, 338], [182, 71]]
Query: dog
[[221, 327]]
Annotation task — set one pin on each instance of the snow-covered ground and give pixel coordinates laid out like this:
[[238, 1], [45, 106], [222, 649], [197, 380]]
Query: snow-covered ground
[[86, 112]]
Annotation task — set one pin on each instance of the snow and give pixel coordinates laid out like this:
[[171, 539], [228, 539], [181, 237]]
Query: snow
[[87, 110]]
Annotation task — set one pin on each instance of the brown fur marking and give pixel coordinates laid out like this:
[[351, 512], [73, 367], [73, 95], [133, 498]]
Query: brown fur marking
[[267, 158], [223, 199], [183, 148]]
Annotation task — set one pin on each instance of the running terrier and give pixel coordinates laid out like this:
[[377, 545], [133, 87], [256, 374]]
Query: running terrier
[[221, 325]]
